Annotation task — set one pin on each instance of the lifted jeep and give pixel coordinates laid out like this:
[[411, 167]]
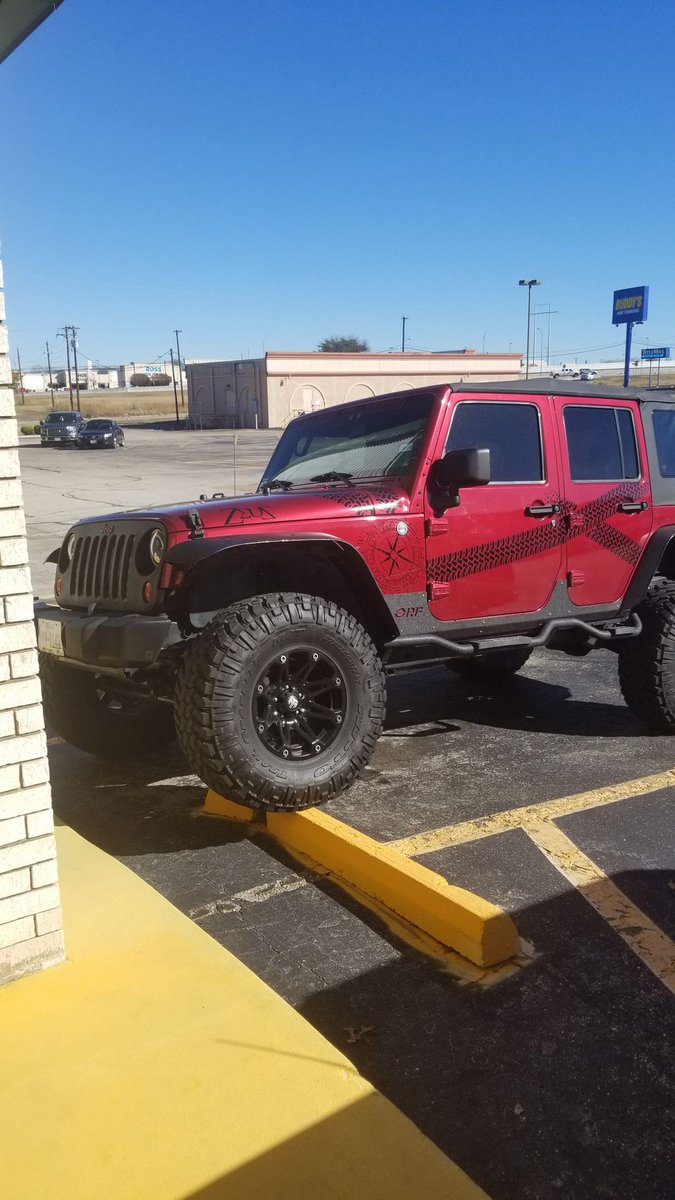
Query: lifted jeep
[[461, 525]]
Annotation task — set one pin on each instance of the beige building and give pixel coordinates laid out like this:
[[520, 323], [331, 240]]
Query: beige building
[[31, 934], [270, 391]]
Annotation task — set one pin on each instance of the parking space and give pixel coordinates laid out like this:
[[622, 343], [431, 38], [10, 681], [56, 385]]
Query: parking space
[[545, 796]]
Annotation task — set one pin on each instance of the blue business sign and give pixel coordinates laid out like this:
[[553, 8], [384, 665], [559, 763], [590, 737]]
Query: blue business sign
[[656, 352], [630, 304]]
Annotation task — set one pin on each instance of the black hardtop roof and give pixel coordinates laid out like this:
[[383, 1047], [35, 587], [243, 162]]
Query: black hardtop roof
[[569, 387], [520, 387]]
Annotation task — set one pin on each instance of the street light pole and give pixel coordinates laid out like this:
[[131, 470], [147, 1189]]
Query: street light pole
[[403, 319], [529, 284]]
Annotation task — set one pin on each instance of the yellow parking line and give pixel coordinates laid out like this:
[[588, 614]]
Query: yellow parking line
[[644, 937], [515, 818]]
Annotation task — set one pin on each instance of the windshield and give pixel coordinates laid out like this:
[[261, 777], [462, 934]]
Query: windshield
[[379, 439], [98, 424], [60, 418]]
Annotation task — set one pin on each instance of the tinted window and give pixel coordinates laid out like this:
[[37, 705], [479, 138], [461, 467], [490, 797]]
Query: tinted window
[[601, 443], [664, 432], [510, 432]]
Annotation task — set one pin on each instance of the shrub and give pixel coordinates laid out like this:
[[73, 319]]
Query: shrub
[[30, 429]]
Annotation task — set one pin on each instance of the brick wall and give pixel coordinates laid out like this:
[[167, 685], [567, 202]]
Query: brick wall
[[31, 934]]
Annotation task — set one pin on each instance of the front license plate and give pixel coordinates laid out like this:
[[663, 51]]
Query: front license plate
[[50, 640]]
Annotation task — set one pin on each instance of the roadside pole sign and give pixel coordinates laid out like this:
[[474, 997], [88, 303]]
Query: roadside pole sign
[[652, 354], [630, 308]]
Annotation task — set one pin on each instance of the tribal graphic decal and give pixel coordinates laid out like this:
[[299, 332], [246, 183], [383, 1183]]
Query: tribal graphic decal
[[589, 520], [369, 502]]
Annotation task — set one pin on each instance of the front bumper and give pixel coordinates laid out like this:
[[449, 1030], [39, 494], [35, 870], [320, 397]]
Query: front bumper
[[124, 640]]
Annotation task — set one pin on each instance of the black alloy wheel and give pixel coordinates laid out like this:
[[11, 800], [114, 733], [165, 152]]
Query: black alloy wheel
[[299, 703]]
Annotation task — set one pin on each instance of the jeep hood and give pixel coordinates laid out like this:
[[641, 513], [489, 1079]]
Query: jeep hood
[[316, 504]]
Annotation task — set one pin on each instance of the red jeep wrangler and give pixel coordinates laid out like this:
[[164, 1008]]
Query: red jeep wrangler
[[460, 525]]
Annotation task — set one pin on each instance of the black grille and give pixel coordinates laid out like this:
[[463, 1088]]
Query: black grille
[[100, 567]]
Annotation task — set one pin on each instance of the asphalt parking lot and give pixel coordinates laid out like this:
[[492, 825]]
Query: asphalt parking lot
[[544, 795]]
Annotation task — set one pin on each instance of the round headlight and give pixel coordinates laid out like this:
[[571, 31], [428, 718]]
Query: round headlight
[[66, 552], [157, 546]]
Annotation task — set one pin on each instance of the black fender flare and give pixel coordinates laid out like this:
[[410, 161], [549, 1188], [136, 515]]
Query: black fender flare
[[202, 552], [648, 565]]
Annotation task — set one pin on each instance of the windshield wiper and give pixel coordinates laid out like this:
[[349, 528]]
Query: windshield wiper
[[270, 485], [332, 477]]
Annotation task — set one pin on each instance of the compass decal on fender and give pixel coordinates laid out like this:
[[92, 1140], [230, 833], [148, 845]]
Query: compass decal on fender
[[395, 558]]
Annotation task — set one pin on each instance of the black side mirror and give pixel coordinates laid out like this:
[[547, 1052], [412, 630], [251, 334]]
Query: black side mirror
[[457, 469]]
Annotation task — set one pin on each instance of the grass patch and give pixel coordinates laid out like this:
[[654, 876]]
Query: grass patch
[[153, 402]]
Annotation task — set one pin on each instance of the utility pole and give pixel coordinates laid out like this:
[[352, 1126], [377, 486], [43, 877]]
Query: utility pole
[[49, 366], [66, 331], [175, 393], [180, 370], [403, 320], [20, 375], [74, 330]]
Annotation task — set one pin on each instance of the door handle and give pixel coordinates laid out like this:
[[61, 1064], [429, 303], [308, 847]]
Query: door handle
[[543, 510], [630, 506]]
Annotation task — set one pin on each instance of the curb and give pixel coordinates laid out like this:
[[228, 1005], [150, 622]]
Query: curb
[[453, 916]]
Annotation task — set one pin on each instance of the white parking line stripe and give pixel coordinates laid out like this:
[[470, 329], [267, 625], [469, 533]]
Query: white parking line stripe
[[645, 939]]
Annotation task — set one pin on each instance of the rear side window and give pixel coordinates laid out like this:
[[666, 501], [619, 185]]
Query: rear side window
[[601, 443], [664, 432], [511, 432]]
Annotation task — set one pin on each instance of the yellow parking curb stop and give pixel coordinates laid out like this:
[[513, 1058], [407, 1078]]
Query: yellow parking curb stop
[[454, 917]]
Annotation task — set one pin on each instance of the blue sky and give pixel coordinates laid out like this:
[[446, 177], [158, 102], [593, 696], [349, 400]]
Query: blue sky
[[265, 174]]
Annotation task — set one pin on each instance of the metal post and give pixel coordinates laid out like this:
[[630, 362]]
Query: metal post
[[175, 393], [66, 331], [234, 442], [527, 352], [49, 365], [403, 319], [180, 369], [626, 365], [77, 379], [529, 284], [22, 401]]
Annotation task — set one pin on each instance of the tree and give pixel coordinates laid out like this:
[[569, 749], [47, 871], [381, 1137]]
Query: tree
[[140, 379], [343, 345], [161, 380]]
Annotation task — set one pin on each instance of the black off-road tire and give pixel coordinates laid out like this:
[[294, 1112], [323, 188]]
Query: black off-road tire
[[232, 661], [647, 662], [491, 667], [81, 711]]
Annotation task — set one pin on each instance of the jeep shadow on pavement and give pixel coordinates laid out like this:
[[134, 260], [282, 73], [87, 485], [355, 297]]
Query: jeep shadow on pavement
[[464, 525]]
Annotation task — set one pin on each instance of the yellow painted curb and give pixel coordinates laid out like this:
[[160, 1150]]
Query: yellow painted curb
[[457, 918], [217, 806]]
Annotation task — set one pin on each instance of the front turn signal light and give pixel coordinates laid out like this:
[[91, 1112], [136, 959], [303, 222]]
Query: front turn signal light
[[148, 592]]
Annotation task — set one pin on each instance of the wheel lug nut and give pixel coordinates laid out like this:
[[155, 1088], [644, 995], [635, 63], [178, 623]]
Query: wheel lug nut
[[338, 720], [315, 657], [285, 753], [260, 687], [283, 658], [338, 682], [261, 729]]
